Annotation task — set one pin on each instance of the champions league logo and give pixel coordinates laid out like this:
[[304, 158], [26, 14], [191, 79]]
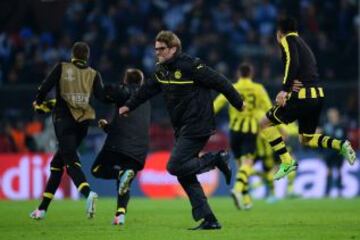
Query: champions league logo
[[69, 75]]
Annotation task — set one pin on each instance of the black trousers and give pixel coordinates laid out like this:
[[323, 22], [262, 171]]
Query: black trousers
[[108, 163], [107, 166], [185, 164], [69, 134]]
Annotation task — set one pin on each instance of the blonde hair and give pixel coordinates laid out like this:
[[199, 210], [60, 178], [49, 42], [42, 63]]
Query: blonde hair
[[170, 39]]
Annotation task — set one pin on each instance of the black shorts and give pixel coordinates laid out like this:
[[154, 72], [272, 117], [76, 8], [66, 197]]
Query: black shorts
[[110, 159], [305, 111], [242, 144]]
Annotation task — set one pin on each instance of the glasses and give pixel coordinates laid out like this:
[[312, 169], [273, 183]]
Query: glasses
[[160, 49]]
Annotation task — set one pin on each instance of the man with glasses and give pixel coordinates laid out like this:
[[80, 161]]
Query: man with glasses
[[186, 83]]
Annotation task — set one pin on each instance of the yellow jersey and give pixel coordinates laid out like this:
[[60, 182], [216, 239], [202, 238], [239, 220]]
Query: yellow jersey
[[257, 103]]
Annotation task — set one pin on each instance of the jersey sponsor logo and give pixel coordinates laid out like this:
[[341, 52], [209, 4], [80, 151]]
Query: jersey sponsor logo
[[156, 182]]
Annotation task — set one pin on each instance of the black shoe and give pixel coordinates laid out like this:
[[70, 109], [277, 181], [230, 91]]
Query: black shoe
[[222, 164], [206, 225]]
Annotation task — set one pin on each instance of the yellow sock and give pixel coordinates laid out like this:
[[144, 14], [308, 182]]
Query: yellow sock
[[291, 179], [270, 182], [247, 199], [274, 137], [323, 141], [242, 177]]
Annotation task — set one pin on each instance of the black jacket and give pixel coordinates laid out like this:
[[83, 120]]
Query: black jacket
[[186, 84], [127, 135], [299, 62]]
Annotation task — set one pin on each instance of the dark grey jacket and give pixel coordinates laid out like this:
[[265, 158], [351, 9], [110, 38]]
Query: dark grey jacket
[[128, 135]]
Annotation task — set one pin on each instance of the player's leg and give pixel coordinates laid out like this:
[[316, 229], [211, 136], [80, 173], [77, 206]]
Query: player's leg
[[129, 167], [243, 146], [184, 153], [308, 136], [318, 140], [184, 162], [70, 135], [268, 124], [105, 166], [121, 208], [56, 172]]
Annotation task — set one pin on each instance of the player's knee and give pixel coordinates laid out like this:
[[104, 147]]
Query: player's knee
[[172, 168], [95, 171], [56, 169], [73, 164], [264, 123], [304, 140], [247, 161], [70, 157]]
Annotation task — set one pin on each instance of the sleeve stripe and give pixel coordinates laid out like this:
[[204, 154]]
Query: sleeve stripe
[[288, 58]]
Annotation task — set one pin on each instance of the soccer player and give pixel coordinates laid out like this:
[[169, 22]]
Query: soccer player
[[124, 151], [304, 106], [186, 84], [75, 82], [244, 129]]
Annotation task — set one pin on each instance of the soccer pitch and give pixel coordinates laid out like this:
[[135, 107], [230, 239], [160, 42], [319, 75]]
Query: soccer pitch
[[169, 219]]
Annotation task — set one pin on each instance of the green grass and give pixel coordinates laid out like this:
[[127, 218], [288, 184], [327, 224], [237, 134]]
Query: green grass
[[168, 219]]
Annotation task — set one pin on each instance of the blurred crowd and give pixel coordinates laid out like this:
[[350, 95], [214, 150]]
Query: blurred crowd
[[223, 33], [121, 33]]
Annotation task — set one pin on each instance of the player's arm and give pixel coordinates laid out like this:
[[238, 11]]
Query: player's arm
[[48, 83], [209, 78], [104, 125], [291, 55], [219, 102], [146, 91], [265, 102], [118, 94], [98, 88]]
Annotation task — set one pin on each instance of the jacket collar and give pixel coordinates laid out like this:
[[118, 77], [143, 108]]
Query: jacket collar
[[290, 34], [171, 60], [79, 63]]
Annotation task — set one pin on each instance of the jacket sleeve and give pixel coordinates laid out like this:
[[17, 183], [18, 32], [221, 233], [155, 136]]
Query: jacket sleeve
[[219, 102], [98, 88], [207, 77], [291, 57], [48, 83], [118, 94], [146, 91], [106, 128]]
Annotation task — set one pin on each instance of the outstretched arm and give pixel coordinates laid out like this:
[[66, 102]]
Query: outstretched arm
[[219, 102], [146, 91], [48, 83], [209, 78]]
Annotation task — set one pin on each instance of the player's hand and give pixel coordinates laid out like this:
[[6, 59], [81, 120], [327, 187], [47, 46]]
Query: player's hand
[[102, 123], [34, 104], [40, 108], [123, 111], [297, 85], [281, 98], [243, 106]]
